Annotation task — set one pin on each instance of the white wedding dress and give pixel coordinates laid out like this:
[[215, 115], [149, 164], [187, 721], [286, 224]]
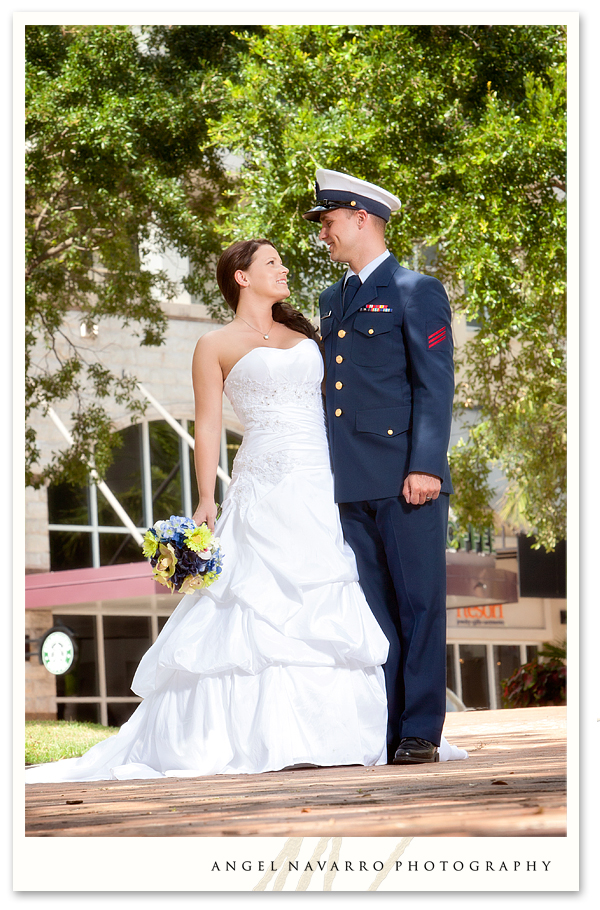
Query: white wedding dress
[[278, 663]]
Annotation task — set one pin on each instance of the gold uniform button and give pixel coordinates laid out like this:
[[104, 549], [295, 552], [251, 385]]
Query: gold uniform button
[[371, 331], [338, 412], [342, 333], [339, 358], [339, 385], [390, 432]]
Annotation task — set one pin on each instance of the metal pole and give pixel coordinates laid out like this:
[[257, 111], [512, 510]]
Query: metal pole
[[186, 480], [491, 671], [146, 475], [94, 516]]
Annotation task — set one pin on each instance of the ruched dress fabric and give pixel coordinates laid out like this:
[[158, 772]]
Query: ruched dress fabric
[[278, 663]]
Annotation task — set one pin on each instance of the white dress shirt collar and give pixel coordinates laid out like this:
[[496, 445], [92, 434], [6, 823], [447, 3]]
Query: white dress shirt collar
[[369, 268]]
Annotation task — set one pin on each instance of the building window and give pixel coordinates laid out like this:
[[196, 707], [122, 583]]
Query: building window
[[450, 669], [69, 505], [474, 671], [86, 712], [531, 653], [110, 647], [232, 441], [474, 676], [126, 640], [507, 659], [83, 678], [152, 476], [166, 461]]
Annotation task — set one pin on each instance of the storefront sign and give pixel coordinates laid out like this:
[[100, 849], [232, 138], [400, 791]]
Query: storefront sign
[[58, 650], [505, 616], [484, 615]]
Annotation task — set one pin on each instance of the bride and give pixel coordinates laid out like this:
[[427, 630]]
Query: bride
[[279, 662]]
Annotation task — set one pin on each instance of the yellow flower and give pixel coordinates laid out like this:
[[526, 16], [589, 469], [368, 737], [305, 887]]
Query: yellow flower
[[199, 539], [163, 581], [208, 578], [191, 583], [165, 567], [150, 544]]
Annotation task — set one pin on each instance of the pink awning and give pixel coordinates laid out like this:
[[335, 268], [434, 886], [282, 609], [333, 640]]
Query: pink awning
[[473, 579], [54, 589]]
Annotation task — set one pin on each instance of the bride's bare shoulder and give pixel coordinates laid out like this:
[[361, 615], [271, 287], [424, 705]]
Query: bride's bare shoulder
[[214, 342]]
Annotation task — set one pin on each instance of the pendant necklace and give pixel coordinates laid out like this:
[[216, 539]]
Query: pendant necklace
[[266, 337]]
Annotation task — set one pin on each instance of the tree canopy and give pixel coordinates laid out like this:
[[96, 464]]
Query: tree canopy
[[117, 164], [466, 124]]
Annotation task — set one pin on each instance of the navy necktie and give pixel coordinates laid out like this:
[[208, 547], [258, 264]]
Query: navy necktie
[[352, 286]]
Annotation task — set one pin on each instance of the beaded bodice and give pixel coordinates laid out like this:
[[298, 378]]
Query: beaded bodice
[[269, 387], [276, 394]]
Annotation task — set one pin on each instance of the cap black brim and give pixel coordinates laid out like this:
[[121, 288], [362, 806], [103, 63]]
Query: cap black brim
[[315, 214]]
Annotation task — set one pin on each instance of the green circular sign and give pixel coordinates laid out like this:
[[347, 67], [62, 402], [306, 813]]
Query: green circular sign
[[57, 651]]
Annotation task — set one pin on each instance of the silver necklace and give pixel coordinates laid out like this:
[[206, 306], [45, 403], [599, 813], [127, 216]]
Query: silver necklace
[[266, 337]]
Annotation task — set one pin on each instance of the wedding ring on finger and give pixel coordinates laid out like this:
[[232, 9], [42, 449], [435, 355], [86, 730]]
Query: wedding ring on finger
[[428, 497]]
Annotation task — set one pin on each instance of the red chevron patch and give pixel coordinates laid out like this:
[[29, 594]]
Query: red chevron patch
[[436, 337]]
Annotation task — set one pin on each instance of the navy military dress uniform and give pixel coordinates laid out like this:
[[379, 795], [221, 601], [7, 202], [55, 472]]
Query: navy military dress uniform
[[389, 393]]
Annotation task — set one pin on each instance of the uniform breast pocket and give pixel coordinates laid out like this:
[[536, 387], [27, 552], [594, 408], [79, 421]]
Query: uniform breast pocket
[[372, 338]]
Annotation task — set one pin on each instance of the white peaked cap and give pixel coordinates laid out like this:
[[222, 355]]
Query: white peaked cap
[[335, 190]]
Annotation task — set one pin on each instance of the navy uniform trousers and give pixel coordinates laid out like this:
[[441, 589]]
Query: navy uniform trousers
[[405, 586], [389, 390]]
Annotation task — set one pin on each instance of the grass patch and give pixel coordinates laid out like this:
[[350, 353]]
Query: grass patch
[[51, 740]]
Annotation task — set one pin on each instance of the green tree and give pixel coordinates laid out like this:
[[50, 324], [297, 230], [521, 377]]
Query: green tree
[[467, 126], [125, 140], [117, 162]]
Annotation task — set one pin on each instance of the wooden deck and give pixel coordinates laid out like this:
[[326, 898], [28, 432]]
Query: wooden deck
[[512, 784]]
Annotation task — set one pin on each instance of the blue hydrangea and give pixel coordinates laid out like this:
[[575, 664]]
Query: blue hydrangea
[[173, 528]]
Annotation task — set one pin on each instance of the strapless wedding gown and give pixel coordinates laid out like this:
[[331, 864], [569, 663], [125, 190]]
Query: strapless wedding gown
[[278, 663]]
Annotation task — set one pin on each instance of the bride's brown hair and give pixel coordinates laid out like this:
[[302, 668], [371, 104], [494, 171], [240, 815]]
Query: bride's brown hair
[[239, 256]]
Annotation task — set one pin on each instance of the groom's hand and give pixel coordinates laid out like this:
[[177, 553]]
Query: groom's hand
[[419, 488]]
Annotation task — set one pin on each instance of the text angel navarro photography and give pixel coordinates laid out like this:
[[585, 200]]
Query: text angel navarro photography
[[440, 865]]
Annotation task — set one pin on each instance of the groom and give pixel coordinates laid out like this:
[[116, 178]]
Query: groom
[[390, 384]]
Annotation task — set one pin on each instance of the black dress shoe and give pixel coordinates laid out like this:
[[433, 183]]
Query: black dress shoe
[[414, 751]]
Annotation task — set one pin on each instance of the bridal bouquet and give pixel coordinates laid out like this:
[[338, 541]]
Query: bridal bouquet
[[184, 556]]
